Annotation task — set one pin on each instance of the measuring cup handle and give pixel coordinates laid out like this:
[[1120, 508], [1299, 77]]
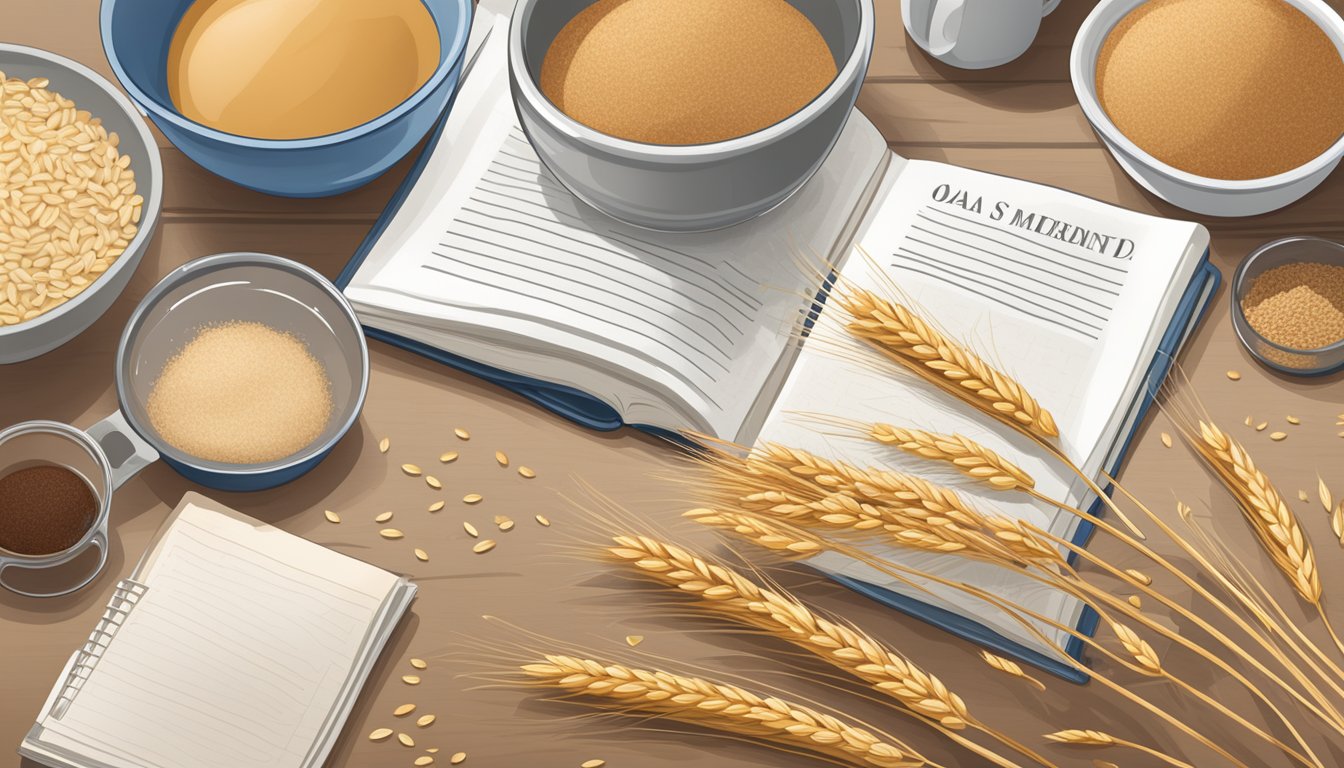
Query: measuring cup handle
[[126, 451], [99, 540]]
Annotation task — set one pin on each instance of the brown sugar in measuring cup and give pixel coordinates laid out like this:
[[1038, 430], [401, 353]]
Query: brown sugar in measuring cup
[[44, 509]]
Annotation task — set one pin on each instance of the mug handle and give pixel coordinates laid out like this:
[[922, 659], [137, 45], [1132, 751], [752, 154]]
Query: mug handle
[[1049, 8], [127, 453], [942, 39], [99, 540]]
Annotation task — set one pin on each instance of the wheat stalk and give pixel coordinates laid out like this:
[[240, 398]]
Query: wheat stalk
[[1140, 655], [1010, 668], [730, 595], [836, 494], [722, 707], [908, 339], [1090, 738], [1273, 522], [966, 455]]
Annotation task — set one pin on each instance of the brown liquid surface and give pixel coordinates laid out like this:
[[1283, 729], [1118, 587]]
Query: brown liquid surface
[[685, 72], [44, 509], [1225, 89], [292, 69]]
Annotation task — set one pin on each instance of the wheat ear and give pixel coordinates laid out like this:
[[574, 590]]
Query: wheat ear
[[1270, 518], [966, 455], [1090, 738], [908, 339], [1023, 616], [912, 510], [731, 595], [1010, 668], [722, 707]]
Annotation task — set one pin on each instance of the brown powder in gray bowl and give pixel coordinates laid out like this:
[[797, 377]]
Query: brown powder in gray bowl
[[241, 393]]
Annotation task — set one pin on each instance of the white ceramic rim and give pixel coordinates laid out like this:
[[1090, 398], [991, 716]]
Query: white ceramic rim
[[1082, 70], [149, 213], [855, 65]]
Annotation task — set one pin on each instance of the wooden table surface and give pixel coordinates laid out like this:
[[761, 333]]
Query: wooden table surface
[[1020, 120]]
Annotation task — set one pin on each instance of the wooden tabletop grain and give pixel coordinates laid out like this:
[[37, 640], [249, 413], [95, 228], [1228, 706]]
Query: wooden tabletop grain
[[1020, 119]]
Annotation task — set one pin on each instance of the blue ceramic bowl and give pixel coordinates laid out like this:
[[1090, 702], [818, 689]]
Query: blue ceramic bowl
[[136, 37]]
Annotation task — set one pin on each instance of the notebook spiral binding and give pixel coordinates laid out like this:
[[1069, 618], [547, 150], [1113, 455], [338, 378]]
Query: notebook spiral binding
[[123, 601]]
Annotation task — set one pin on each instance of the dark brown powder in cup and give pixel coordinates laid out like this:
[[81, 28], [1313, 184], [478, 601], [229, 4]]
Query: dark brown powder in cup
[[44, 509], [1224, 89], [685, 71]]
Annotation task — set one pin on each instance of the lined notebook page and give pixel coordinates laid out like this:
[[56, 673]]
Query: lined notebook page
[[235, 654], [490, 239]]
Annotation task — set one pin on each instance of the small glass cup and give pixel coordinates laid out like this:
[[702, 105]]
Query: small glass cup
[[1298, 362], [86, 453]]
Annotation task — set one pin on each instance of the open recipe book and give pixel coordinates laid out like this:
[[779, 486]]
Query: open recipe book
[[233, 645], [485, 262]]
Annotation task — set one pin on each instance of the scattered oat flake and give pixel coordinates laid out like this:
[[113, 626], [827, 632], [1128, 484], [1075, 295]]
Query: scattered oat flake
[[380, 734], [1234, 375], [432, 750], [633, 640], [332, 517], [433, 482], [383, 518], [410, 679], [406, 740], [1140, 577], [501, 519], [592, 764], [1136, 601], [449, 457], [470, 529], [502, 458], [419, 664], [1277, 436], [425, 721], [472, 498], [527, 472], [391, 533], [424, 760], [485, 545], [462, 434], [410, 469], [1166, 439], [506, 526], [1293, 420], [403, 710], [546, 521], [1249, 421], [436, 506], [457, 757], [1261, 426], [1327, 500], [1302, 496], [384, 444], [421, 555]]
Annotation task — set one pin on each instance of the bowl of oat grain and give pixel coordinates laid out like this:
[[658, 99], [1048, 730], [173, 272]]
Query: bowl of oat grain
[[88, 179]]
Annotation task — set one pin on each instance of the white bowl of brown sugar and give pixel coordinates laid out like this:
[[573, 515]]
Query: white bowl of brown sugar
[[686, 116], [1221, 107]]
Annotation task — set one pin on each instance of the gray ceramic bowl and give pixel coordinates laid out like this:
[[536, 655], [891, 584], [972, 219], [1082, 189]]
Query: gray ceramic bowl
[[95, 94], [696, 187]]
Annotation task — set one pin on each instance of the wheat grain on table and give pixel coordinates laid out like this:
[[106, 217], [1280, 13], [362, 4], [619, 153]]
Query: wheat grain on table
[[1020, 120]]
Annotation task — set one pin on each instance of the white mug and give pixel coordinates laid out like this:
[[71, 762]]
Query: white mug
[[975, 34]]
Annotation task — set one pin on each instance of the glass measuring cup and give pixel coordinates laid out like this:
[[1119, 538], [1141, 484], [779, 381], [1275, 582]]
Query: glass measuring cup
[[101, 456], [280, 293]]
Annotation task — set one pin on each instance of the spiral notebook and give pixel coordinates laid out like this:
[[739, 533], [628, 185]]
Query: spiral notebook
[[233, 645]]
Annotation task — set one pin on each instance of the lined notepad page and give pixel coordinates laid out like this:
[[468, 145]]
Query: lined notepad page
[[235, 654], [489, 238]]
